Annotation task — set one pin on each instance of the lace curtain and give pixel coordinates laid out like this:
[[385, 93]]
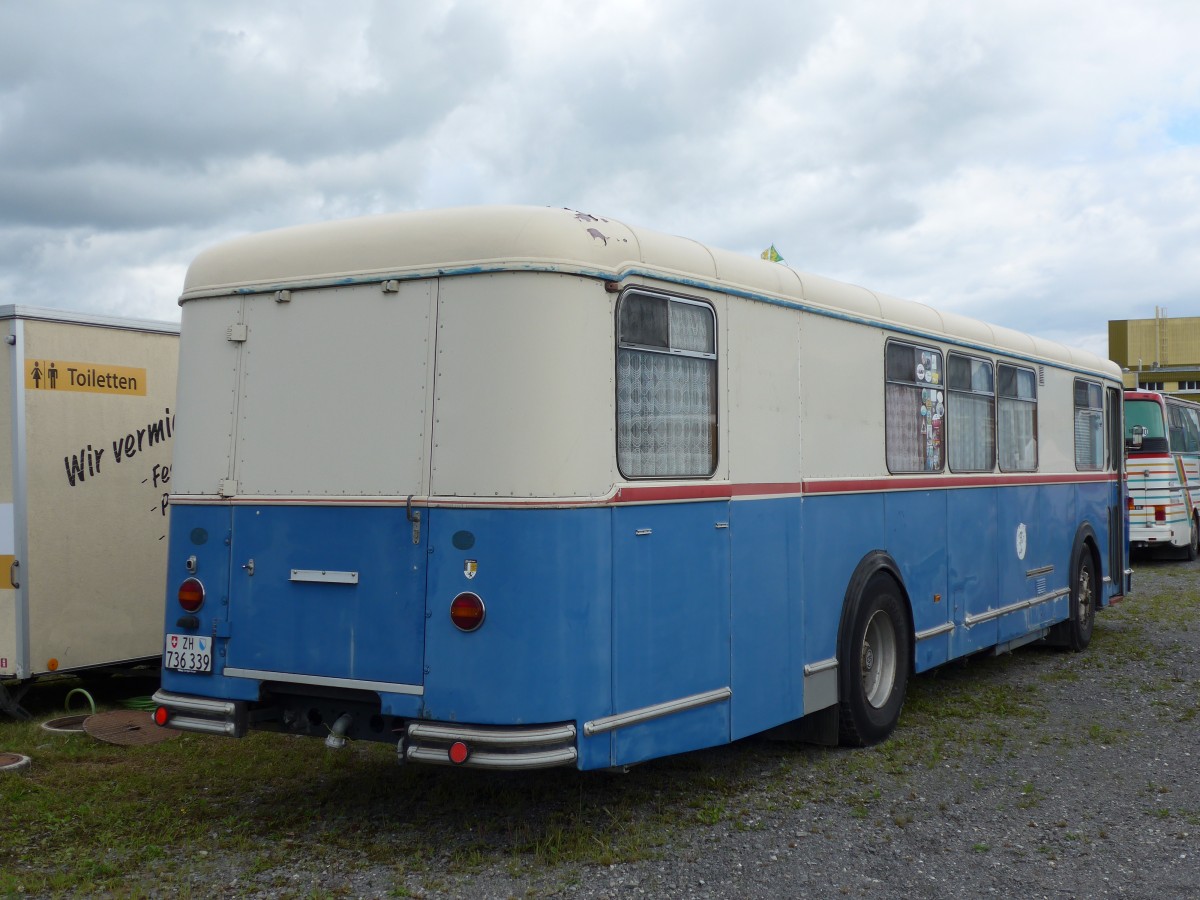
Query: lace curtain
[[972, 433], [914, 429], [666, 414], [1018, 435]]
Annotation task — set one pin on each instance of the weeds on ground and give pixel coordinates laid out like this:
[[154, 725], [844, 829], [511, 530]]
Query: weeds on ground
[[96, 818]]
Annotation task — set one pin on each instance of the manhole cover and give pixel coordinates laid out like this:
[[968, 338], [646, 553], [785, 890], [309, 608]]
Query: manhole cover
[[126, 727], [65, 724], [10, 762]]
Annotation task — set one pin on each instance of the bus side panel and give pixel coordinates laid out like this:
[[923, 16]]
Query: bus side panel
[[768, 638], [973, 576], [838, 531], [1060, 517], [916, 539], [542, 652], [1020, 553], [1092, 500], [671, 634]]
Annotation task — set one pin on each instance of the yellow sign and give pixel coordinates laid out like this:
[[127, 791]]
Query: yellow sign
[[92, 378]]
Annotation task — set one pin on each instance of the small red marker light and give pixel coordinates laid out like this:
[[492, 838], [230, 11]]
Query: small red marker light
[[161, 715], [467, 612], [459, 752], [191, 595]]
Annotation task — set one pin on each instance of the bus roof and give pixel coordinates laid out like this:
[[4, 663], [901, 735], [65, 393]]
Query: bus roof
[[465, 240]]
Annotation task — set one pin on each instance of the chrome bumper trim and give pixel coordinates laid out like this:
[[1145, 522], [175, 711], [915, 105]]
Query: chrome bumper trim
[[536, 747], [202, 714], [971, 621], [658, 710]]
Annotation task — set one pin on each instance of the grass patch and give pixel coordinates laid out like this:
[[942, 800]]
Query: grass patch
[[100, 819]]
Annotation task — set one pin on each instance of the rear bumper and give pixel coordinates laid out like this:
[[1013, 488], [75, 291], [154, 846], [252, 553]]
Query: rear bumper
[[437, 743], [485, 747], [202, 714]]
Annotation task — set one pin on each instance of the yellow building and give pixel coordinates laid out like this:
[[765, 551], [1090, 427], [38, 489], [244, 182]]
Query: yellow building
[[1159, 354]]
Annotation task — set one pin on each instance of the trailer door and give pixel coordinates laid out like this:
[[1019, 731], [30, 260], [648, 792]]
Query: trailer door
[[328, 557]]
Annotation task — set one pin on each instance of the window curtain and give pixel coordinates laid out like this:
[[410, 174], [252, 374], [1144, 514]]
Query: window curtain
[[1089, 440], [1018, 435], [666, 418], [914, 440], [972, 434]]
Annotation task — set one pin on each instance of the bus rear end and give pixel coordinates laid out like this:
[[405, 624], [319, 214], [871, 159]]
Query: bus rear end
[[1159, 514], [285, 574], [370, 502]]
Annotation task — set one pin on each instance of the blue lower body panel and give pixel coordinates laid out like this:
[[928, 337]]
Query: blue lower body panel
[[611, 635]]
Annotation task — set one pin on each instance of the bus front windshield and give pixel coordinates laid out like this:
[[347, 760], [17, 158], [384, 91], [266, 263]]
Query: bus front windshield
[[1146, 413]]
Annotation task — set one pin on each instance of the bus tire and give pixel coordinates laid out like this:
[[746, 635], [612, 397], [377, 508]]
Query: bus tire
[[1192, 550], [1083, 601], [875, 657]]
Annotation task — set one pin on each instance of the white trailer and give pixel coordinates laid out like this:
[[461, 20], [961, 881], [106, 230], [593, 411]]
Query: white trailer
[[88, 406]]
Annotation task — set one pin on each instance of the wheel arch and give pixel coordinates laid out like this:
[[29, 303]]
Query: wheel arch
[[1085, 540], [868, 567]]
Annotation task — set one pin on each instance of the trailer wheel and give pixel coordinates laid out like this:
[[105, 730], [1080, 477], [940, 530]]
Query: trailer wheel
[[875, 658], [1083, 601]]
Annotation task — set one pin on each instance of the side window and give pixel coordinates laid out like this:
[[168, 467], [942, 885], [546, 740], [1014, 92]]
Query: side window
[[1089, 426], [1016, 418], [666, 387], [1191, 429], [1116, 436], [1184, 428], [914, 408], [970, 414], [1175, 428]]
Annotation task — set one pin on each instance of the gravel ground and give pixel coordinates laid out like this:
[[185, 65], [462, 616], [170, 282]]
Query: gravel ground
[[1088, 787]]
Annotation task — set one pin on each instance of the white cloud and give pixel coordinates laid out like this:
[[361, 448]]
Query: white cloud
[[1028, 163]]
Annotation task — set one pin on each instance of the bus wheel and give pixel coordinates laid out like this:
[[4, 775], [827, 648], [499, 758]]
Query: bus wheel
[[1191, 551], [1083, 602], [874, 663]]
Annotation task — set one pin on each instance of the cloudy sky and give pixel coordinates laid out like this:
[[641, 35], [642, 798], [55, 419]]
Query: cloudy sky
[[1034, 163]]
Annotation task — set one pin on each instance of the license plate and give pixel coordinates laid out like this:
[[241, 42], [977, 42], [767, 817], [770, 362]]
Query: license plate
[[188, 653]]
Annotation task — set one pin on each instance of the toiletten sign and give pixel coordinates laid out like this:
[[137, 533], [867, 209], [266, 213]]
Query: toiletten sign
[[92, 378]]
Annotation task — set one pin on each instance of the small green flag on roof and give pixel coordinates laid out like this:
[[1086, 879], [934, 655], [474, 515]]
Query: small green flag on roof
[[772, 255]]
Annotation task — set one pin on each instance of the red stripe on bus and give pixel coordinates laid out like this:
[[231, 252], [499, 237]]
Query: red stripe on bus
[[629, 494], [942, 482]]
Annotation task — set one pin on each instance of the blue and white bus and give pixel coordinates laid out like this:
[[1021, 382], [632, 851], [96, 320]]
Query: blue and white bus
[[524, 487]]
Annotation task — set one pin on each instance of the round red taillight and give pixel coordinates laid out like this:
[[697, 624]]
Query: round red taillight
[[161, 715], [459, 753], [191, 595], [467, 612]]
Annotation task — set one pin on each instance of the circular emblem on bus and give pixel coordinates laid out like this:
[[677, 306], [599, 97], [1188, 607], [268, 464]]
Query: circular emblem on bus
[[1021, 541]]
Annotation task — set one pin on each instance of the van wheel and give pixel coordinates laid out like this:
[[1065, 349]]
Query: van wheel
[[875, 658], [1083, 602]]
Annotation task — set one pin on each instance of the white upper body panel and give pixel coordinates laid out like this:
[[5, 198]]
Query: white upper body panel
[[465, 239], [470, 353]]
